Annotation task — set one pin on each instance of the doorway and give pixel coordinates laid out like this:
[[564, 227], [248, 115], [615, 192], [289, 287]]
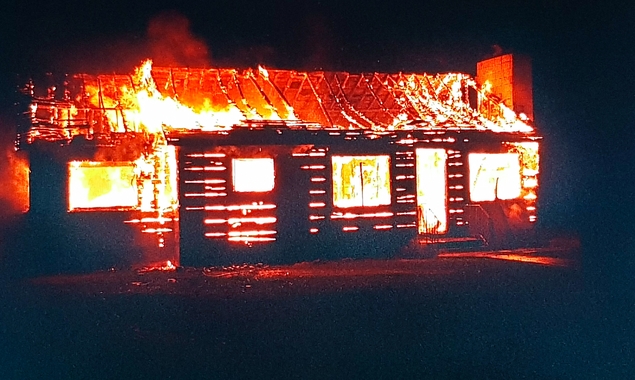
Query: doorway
[[431, 182]]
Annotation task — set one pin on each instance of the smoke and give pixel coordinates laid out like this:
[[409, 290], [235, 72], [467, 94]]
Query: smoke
[[172, 43], [496, 50]]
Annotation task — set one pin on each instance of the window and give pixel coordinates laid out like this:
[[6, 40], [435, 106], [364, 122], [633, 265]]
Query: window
[[101, 185], [253, 175], [494, 176], [361, 181]]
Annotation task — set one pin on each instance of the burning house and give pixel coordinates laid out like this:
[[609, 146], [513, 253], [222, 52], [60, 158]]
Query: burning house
[[216, 166]]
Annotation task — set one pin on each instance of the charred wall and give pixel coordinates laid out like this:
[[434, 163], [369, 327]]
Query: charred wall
[[300, 203], [307, 224], [54, 240], [295, 219]]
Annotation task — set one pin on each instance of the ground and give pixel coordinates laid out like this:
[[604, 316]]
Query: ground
[[496, 315]]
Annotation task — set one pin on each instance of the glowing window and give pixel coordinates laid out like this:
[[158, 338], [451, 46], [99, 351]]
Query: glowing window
[[253, 174], [361, 181], [494, 176], [101, 185]]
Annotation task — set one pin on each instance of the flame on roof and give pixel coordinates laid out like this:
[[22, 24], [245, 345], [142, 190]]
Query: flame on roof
[[160, 99]]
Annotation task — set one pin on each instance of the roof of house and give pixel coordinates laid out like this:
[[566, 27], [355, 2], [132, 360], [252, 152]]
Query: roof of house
[[339, 100], [329, 99]]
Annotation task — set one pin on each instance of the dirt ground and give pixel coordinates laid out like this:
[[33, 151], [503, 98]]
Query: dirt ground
[[490, 315]]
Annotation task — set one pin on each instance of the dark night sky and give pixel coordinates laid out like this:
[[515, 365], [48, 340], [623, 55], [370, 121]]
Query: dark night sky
[[583, 61]]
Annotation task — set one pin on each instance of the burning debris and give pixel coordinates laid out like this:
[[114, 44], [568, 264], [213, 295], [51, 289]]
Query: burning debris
[[159, 267]]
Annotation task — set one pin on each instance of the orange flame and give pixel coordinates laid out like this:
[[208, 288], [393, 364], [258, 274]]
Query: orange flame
[[145, 108]]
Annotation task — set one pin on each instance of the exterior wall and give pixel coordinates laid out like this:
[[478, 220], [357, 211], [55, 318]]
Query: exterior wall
[[504, 222], [308, 225], [60, 241], [298, 218]]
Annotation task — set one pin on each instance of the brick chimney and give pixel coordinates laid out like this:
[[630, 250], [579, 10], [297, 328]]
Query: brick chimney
[[510, 79]]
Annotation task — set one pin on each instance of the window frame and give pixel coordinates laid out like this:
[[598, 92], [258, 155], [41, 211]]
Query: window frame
[[359, 200], [241, 187]]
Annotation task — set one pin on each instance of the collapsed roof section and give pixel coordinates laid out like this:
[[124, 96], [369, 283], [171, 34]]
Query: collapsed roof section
[[221, 99]]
